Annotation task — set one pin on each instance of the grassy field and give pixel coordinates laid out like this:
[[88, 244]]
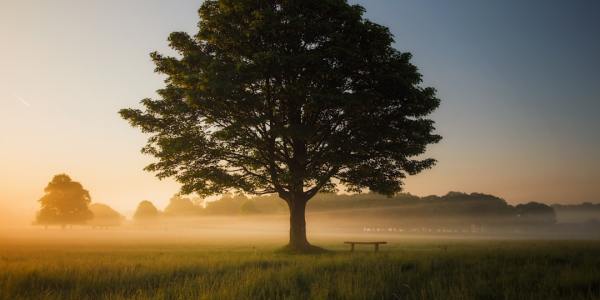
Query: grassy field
[[403, 270]]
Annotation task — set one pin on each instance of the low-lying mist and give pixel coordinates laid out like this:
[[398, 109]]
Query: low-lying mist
[[273, 229], [250, 221]]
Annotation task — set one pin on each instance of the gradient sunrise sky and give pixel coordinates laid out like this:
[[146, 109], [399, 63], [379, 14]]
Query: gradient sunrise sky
[[519, 81]]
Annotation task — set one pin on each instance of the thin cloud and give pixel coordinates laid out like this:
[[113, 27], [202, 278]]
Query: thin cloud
[[22, 100]]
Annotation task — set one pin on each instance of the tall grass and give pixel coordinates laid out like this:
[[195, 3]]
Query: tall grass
[[416, 270]]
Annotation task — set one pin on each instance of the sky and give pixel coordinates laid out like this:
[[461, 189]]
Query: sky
[[519, 83]]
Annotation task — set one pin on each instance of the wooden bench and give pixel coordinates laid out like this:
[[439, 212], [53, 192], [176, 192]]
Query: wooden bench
[[376, 244]]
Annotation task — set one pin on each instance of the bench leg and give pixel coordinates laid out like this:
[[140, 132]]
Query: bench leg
[[376, 247], [351, 247]]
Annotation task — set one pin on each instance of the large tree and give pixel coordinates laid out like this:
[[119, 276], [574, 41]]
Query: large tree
[[287, 97], [65, 203]]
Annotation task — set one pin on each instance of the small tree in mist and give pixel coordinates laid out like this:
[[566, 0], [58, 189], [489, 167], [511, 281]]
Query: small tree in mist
[[65, 203], [146, 211], [181, 206], [249, 207], [104, 216], [287, 98], [534, 213], [228, 204]]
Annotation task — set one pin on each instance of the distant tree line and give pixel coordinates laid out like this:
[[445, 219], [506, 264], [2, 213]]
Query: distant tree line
[[574, 213], [67, 203], [473, 208]]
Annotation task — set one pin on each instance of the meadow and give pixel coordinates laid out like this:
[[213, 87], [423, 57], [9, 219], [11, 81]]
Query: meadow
[[404, 269]]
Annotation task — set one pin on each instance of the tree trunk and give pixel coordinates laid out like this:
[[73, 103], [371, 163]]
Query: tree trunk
[[298, 241]]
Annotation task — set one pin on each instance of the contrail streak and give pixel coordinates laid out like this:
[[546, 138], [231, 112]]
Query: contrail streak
[[22, 100]]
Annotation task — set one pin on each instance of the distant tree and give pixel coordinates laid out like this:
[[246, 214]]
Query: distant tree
[[104, 216], [145, 211], [249, 207], [227, 204], [534, 213], [65, 203], [576, 213], [290, 98], [270, 204], [180, 206]]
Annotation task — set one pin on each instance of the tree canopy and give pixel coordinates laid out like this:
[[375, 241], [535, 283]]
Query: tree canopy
[[65, 203], [534, 213], [181, 206], [105, 216], [287, 97], [145, 211]]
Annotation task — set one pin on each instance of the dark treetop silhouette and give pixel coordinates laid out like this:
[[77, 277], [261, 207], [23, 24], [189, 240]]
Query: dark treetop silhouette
[[65, 203], [287, 97]]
